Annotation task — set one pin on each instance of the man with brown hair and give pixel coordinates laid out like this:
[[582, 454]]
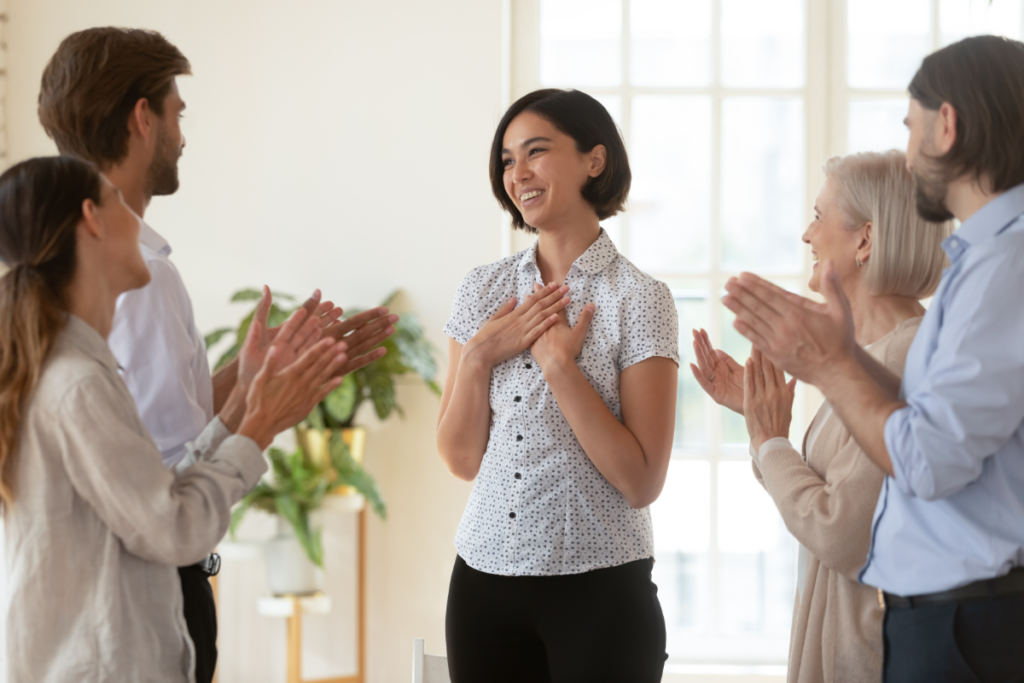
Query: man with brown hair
[[110, 96], [947, 543]]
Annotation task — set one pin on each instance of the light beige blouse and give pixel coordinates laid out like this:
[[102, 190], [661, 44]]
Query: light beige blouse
[[99, 526], [827, 503]]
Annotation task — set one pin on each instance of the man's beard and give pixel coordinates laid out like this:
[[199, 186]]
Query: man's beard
[[162, 174], [930, 192]]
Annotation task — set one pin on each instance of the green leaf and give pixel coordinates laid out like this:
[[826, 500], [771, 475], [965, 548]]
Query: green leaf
[[351, 473], [341, 402], [246, 295], [217, 335], [308, 537]]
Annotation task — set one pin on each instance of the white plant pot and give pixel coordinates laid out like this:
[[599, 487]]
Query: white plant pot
[[289, 569]]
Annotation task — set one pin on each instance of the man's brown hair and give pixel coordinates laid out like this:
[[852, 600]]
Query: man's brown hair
[[93, 82], [983, 79]]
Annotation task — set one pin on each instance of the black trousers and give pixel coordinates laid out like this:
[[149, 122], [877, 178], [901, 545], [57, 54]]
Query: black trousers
[[201, 618], [979, 641], [602, 626]]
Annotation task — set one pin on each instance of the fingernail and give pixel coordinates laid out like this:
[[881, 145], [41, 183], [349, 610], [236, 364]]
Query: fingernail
[[393, 318], [316, 294]]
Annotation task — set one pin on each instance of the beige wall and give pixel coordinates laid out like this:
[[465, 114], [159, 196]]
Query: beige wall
[[339, 144]]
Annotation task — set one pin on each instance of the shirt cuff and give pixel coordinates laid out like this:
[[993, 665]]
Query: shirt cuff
[[206, 443], [776, 444]]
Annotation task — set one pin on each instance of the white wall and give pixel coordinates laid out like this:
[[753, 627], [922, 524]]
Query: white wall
[[338, 144]]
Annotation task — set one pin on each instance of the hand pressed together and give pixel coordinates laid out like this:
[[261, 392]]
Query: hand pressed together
[[299, 371], [803, 337], [767, 400], [718, 373]]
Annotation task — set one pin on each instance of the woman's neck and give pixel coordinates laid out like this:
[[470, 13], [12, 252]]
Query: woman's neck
[[91, 298], [558, 248], [876, 316]]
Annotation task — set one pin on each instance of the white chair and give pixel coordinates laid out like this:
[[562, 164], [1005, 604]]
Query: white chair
[[428, 668]]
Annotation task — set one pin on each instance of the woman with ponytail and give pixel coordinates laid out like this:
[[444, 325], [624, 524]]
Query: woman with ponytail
[[95, 525]]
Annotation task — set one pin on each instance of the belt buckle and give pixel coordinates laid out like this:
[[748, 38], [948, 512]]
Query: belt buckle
[[211, 564]]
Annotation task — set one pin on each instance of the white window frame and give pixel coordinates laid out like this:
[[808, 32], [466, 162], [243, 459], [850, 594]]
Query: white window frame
[[827, 97]]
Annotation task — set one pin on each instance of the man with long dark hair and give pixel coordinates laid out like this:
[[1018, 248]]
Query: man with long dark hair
[[947, 547], [110, 95]]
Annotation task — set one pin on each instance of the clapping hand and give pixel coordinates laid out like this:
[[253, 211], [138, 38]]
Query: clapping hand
[[718, 373], [513, 329], [767, 400], [803, 337], [362, 333], [259, 338], [298, 371]]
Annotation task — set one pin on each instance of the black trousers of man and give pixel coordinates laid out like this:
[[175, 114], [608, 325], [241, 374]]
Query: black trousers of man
[[201, 618], [974, 641]]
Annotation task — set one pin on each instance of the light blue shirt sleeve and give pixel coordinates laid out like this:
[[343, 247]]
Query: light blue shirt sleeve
[[971, 400]]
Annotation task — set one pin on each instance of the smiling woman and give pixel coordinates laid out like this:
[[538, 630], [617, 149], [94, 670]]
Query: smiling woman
[[560, 404]]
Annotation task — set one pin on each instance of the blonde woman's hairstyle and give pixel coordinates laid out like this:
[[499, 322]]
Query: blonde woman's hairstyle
[[40, 208], [906, 250]]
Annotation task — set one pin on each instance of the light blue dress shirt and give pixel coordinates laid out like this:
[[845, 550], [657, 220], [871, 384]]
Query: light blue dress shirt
[[954, 512]]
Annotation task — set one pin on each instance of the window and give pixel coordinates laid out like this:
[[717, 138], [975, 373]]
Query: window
[[729, 108]]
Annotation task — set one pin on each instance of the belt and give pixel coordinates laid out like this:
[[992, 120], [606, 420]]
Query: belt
[[209, 564], [985, 589]]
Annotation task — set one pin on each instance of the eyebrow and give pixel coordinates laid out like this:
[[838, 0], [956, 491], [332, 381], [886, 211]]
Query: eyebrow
[[527, 144]]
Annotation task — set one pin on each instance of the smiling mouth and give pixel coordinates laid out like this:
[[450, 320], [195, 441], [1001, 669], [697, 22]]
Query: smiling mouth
[[526, 196]]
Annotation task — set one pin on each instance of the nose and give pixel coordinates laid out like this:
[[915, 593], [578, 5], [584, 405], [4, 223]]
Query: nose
[[806, 237], [521, 172]]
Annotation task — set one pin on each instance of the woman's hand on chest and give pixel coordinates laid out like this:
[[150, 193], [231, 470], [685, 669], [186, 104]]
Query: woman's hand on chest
[[558, 347], [513, 329]]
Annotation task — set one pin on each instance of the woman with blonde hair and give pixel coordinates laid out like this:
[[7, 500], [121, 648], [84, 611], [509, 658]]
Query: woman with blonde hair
[[886, 258], [95, 525]]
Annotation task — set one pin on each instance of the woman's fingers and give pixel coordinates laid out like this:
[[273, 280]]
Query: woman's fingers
[[706, 365], [698, 375], [540, 328], [583, 323], [368, 345], [557, 307], [290, 326], [356, 362], [505, 309], [547, 297]]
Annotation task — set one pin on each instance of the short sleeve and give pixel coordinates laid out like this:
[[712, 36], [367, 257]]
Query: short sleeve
[[652, 326], [480, 295], [461, 326]]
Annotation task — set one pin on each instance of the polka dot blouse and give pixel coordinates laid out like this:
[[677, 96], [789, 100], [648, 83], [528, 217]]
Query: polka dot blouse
[[539, 506]]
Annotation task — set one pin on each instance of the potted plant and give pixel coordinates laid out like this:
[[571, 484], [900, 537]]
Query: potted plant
[[328, 458]]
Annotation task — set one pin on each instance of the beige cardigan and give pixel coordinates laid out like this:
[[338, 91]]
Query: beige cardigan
[[828, 504]]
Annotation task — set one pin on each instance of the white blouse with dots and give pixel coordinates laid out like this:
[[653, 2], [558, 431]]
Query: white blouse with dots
[[539, 506]]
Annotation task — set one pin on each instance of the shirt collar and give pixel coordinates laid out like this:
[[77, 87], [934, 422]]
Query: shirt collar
[[83, 336], [595, 259], [986, 223], [150, 238]]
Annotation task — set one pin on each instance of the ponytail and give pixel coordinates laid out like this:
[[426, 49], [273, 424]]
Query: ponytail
[[40, 208]]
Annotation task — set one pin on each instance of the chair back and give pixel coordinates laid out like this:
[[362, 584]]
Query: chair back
[[428, 668]]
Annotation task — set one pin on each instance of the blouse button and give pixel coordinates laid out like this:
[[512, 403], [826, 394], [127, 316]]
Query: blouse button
[[529, 366], [511, 515], [518, 475], [519, 437], [517, 399]]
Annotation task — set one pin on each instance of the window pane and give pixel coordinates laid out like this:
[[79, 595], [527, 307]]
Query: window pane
[[757, 556], [877, 125], [682, 521], [580, 42], [762, 203], [670, 42], [887, 41], [691, 401], [669, 203], [763, 43], [613, 103], [961, 18]]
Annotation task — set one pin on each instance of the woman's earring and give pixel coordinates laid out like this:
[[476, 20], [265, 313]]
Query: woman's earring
[[859, 263]]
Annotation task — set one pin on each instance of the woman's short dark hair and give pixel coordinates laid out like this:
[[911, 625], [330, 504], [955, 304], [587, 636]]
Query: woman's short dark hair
[[983, 79], [586, 121]]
